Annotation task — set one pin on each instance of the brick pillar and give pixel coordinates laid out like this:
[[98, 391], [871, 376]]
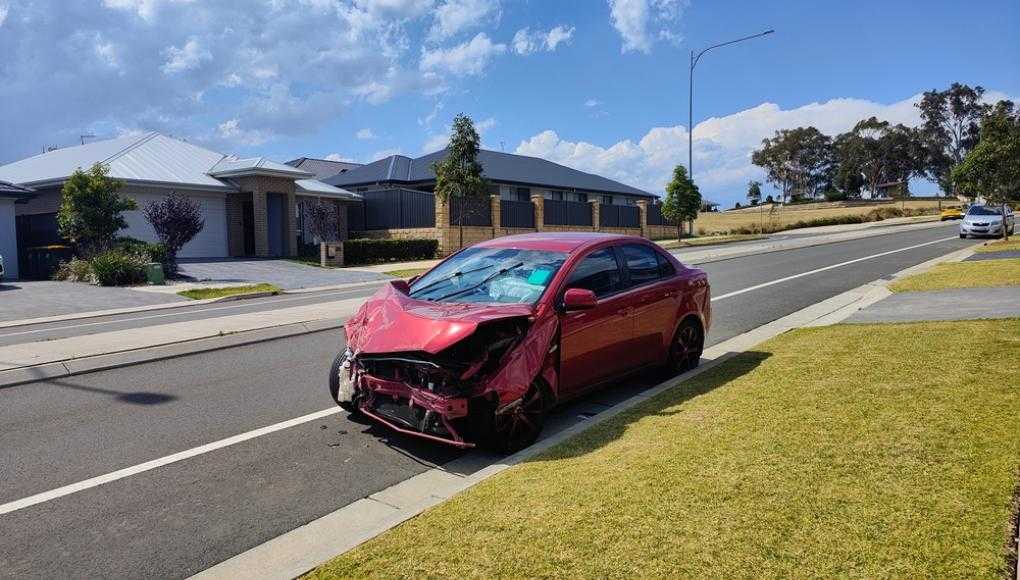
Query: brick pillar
[[497, 216], [342, 232], [539, 202], [290, 223], [642, 206], [596, 221], [331, 254], [260, 222], [444, 233]]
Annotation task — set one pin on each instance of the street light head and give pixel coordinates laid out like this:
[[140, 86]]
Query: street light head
[[769, 31]]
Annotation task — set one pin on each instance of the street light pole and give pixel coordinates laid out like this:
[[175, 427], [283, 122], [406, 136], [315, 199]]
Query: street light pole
[[690, 96]]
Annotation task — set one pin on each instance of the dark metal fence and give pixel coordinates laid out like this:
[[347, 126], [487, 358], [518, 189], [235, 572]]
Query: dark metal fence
[[619, 216], [655, 217], [475, 211], [567, 213], [391, 209], [516, 214]]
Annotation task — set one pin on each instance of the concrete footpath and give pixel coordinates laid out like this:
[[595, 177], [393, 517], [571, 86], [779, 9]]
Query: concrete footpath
[[304, 548]]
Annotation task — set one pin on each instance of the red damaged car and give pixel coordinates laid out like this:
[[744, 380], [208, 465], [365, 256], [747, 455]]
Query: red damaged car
[[479, 348]]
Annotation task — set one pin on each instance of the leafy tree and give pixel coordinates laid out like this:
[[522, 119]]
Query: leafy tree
[[879, 152], [949, 130], [991, 169], [768, 199], [460, 174], [795, 160], [682, 200], [90, 209], [754, 192], [177, 219], [322, 221]]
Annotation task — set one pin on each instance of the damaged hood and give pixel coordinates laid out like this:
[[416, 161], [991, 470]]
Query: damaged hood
[[391, 321]]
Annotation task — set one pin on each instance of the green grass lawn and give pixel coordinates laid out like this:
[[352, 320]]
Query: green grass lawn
[[708, 241], [951, 275], [206, 293], [890, 452], [1001, 246], [407, 273]]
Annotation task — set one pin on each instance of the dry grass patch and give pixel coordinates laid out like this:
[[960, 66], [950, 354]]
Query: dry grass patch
[[891, 454], [407, 272], [1013, 245], [708, 241], [978, 274], [206, 293]]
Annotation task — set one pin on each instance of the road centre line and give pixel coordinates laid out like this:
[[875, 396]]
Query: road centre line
[[824, 268], [209, 447], [167, 460]]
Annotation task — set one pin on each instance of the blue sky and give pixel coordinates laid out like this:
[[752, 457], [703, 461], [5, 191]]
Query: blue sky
[[598, 85]]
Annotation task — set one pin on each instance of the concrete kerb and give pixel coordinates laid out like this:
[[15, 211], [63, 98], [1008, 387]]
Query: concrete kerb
[[302, 549], [62, 369], [172, 305]]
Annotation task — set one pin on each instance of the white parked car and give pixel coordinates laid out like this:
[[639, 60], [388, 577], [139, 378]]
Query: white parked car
[[986, 220]]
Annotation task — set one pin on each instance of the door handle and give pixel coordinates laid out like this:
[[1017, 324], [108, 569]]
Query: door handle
[[625, 311]]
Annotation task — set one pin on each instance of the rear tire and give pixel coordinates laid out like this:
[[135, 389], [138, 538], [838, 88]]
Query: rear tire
[[688, 344], [334, 386], [963, 236], [520, 426]]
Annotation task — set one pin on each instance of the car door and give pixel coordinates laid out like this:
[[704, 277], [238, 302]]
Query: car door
[[654, 301], [593, 341]]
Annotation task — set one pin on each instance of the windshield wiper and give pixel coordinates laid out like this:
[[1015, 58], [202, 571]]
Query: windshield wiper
[[482, 282], [449, 278]]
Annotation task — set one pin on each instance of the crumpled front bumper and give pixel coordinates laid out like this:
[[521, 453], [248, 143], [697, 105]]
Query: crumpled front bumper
[[413, 411]]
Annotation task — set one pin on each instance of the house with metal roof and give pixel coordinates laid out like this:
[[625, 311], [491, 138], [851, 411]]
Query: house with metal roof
[[10, 194], [252, 206], [322, 168], [513, 177]]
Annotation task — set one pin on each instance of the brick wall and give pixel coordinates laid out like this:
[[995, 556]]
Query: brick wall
[[258, 186]]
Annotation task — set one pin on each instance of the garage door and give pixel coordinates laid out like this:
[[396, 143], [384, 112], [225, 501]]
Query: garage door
[[211, 242]]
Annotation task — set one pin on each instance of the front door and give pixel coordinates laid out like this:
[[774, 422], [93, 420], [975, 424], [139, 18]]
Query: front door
[[593, 342], [274, 223], [248, 224]]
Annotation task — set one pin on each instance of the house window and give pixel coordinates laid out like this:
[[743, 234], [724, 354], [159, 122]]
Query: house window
[[631, 200], [607, 200], [553, 195], [582, 197], [523, 194]]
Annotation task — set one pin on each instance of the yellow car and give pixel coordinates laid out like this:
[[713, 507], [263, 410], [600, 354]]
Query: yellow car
[[951, 213]]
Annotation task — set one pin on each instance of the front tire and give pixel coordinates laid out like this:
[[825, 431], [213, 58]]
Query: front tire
[[334, 386], [688, 344], [963, 236], [520, 425]]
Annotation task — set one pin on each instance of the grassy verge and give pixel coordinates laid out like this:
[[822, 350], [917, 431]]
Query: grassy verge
[[779, 463], [406, 273], [980, 274], [708, 241], [206, 293], [306, 260], [1013, 245]]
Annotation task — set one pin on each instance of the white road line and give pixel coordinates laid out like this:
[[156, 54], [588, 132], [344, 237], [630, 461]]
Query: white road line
[[817, 270], [150, 465], [177, 313], [195, 451]]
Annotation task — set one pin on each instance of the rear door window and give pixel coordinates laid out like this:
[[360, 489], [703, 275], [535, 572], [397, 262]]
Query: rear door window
[[597, 272], [642, 263]]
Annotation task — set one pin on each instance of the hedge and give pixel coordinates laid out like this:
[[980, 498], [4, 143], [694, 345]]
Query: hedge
[[372, 251]]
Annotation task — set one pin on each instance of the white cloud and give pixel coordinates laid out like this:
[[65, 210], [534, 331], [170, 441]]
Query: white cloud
[[469, 58], [636, 19], [188, 57], [437, 141], [455, 16], [591, 103], [4, 11], [382, 154], [365, 134], [146, 9], [338, 157], [722, 145], [527, 42], [232, 131]]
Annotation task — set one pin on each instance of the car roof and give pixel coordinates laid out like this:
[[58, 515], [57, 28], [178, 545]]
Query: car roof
[[567, 242]]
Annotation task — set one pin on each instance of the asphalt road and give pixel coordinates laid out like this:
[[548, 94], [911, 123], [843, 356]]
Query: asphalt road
[[178, 519]]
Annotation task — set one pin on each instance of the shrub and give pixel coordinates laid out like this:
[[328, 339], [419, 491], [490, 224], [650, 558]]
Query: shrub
[[371, 251], [177, 219], [74, 270], [90, 209], [150, 252], [117, 268]]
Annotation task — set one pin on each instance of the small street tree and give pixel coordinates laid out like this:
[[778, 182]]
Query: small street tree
[[459, 175], [177, 219], [682, 200], [90, 209], [754, 192], [950, 129], [322, 221], [991, 169]]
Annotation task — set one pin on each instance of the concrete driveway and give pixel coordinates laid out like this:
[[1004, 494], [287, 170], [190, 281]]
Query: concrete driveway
[[283, 273], [36, 299]]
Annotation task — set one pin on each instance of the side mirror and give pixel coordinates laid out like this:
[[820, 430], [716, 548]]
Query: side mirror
[[579, 299], [413, 279], [402, 286]]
